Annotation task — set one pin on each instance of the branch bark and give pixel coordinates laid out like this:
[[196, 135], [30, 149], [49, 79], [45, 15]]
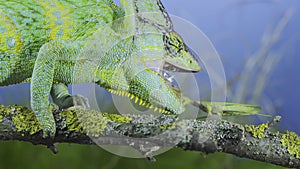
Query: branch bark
[[147, 133]]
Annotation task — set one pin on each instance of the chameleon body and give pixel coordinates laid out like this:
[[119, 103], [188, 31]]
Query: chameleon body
[[54, 43]]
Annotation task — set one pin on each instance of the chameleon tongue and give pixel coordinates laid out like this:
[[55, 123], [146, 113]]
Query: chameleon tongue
[[167, 76]]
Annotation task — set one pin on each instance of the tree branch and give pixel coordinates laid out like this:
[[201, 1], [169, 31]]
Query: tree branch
[[146, 133]]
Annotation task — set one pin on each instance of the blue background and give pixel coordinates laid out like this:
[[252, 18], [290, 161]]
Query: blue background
[[236, 28]]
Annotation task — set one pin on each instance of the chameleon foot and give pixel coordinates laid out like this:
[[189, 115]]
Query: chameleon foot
[[48, 123], [49, 132], [76, 101]]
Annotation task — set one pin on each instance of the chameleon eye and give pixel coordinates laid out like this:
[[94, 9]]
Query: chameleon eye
[[173, 44]]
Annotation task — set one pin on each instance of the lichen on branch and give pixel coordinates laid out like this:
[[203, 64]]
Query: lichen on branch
[[73, 126]]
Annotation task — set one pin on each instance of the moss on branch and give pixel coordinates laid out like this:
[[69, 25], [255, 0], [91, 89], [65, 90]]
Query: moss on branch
[[75, 126]]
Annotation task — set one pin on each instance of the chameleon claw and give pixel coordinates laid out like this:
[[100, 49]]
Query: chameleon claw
[[81, 101], [49, 131]]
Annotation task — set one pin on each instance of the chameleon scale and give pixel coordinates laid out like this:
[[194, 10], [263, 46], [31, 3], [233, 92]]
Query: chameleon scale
[[42, 42], [54, 43]]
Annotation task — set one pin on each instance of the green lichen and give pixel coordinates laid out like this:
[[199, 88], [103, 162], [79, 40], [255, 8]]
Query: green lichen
[[25, 120], [257, 131], [4, 111], [117, 118], [172, 125], [91, 123], [168, 127], [292, 141], [71, 121]]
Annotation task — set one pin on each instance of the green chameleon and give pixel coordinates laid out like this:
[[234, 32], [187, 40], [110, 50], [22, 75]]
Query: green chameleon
[[55, 43]]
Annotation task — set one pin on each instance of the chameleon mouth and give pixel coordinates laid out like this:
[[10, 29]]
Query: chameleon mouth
[[165, 70], [169, 78], [177, 68]]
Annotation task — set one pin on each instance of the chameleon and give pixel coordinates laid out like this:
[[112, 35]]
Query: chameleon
[[51, 43], [55, 43]]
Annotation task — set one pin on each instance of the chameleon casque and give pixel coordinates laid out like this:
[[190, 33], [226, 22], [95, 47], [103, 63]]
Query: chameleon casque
[[52, 43], [55, 43]]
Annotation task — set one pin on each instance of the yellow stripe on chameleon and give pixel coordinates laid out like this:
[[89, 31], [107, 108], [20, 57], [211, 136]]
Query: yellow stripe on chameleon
[[59, 19]]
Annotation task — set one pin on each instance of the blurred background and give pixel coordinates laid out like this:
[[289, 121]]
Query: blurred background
[[258, 43]]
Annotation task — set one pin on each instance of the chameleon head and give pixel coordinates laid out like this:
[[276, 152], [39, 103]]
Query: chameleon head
[[178, 55], [165, 50], [155, 36]]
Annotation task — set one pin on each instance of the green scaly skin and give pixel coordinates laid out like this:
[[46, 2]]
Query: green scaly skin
[[54, 43]]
